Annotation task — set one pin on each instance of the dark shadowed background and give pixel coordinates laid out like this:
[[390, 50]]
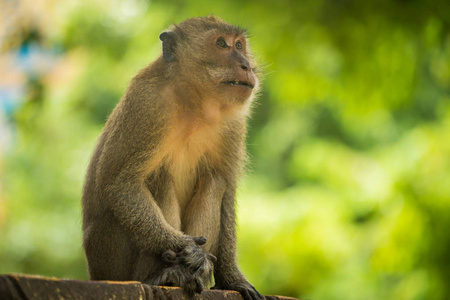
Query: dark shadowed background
[[348, 192]]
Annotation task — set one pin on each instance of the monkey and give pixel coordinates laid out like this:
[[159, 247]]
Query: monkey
[[158, 201]]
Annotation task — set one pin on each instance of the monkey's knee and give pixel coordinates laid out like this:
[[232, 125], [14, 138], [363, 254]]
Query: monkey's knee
[[110, 254]]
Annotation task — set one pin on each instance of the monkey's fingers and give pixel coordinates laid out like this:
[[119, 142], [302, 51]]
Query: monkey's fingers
[[193, 286], [198, 272], [200, 240], [250, 293], [247, 291], [198, 286]]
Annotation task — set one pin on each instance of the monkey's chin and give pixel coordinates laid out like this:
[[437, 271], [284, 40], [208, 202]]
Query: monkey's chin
[[239, 98]]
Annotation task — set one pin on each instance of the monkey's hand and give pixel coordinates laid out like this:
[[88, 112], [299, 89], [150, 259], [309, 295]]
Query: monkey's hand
[[247, 290], [191, 268]]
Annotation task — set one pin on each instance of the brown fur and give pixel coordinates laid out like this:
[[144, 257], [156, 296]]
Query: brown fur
[[165, 168]]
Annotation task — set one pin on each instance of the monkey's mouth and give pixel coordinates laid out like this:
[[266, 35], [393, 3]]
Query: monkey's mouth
[[239, 83]]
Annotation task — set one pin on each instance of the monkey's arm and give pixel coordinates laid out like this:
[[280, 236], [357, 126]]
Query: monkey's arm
[[131, 140], [226, 272], [135, 208]]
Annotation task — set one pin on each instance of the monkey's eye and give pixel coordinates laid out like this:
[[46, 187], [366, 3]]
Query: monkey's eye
[[239, 45], [221, 43]]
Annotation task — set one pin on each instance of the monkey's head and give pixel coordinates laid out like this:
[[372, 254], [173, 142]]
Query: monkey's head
[[212, 57]]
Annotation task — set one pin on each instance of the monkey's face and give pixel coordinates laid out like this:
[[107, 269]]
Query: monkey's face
[[228, 68], [212, 58]]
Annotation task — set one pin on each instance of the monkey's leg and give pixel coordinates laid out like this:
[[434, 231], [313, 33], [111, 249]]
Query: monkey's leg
[[109, 251], [202, 215], [226, 272], [202, 218], [192, 267]]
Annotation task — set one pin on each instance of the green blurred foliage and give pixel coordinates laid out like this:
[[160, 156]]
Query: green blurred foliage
[[348, 191]]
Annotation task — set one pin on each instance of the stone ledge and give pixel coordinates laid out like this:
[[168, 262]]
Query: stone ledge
[[26, 287]]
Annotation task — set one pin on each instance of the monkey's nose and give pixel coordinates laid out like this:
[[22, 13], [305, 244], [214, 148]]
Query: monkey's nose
[[246, 66]]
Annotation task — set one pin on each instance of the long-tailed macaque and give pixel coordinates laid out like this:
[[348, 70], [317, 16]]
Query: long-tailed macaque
[[159, 197]]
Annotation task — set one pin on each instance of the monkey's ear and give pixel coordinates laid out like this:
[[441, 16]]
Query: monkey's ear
[[168, 39]]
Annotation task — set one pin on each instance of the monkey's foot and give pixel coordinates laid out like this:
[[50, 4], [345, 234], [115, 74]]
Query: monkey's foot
[[190, 269], [247, 290], [180, 276]]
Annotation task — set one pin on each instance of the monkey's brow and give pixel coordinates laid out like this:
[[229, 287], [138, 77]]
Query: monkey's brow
[[229, 29], [242, 30], [239, 31]]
